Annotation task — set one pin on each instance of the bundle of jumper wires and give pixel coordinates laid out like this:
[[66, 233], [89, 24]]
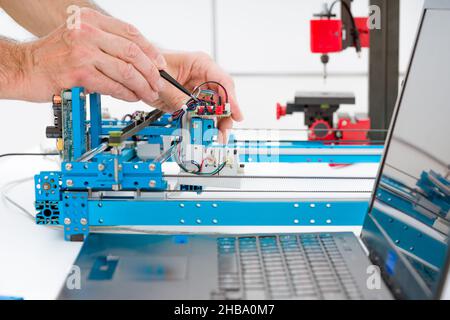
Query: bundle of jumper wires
[[207, 102]]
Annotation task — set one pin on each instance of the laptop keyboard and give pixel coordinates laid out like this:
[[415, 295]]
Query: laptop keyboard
[[308, 266]]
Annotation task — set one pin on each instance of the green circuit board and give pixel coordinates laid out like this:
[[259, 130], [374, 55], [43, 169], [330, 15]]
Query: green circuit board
[[67, 132]]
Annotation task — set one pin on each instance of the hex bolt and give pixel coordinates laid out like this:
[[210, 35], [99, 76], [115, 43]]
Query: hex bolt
[[152, 184], [68, 166], [69, 183], [152, 167], [67, 221], [83, 221], [101, 167]]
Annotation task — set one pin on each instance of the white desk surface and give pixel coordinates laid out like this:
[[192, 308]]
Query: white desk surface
[[34, 260]]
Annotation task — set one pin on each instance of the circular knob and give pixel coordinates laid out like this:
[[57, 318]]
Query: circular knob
[[320, 130], [281, 111]]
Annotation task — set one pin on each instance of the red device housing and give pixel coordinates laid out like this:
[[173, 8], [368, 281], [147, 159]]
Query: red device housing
[[326, 35], [354, 131]]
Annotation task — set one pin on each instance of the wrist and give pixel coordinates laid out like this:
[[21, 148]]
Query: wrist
[[13, 69]]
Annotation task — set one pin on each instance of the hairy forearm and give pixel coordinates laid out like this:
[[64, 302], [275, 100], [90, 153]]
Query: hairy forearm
[[41, 17], [12, 66]]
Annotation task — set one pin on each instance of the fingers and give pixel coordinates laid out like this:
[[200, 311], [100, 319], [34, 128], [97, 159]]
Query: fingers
[[224, 126], [215, 73], [127, 31], [236, 112], [127, 75], [130, 52], [98, 82]]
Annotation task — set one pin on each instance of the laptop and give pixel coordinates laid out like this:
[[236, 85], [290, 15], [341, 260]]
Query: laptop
[[402, 252]]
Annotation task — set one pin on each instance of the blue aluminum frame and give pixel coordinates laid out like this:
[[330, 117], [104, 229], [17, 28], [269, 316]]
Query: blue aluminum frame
[[64, 197]]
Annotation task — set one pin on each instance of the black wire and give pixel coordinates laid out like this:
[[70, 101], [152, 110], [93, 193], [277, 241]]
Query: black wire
[[5, 155], [356, 36]]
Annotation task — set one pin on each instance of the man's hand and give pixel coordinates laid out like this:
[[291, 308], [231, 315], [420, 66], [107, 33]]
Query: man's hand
[[191, 70], [103, 55]]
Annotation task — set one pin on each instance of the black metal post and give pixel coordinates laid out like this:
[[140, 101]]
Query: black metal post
[[384, 66]]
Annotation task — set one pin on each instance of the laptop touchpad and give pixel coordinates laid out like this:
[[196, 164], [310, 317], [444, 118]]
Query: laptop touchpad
[[153, 268]]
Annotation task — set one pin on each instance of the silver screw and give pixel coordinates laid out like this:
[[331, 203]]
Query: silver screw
[[100, 221], [328, 205], [312, 205], [198, 221], [69, 183], [152, 167], [67, 221], [215, 221], [296, 205], [152, 184], [69, 166], [198, 205], [181, 205], [182, 221], [328, 221], [214, 205], [296, 221], [83, 221], [312, 221], [101, 167]]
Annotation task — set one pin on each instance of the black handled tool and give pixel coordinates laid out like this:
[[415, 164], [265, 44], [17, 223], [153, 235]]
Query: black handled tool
[[176, 84]]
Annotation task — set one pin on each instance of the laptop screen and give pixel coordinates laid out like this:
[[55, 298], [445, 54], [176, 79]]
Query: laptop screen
[[407, 228]]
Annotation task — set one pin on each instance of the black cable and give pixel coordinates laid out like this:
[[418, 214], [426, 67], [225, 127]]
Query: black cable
[[5, 155], [356, 36]]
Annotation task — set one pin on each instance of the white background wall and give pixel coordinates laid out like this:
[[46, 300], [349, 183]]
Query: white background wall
[[263, 43]]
